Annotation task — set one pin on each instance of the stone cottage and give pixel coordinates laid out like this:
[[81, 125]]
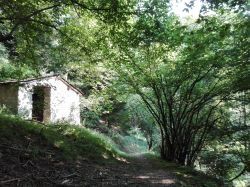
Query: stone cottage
[[45, 99]]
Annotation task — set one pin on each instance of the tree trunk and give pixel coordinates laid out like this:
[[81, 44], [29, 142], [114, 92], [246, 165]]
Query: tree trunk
[[150, 142], [169, 153]]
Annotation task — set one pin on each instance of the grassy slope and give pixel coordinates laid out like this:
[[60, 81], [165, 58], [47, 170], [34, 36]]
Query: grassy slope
[[56, 143], [71, 140]]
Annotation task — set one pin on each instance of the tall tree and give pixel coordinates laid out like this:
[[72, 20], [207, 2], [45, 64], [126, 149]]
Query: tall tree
[[182, 72]]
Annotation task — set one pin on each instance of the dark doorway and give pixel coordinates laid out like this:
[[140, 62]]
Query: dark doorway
[[40, 106], [38, 103]]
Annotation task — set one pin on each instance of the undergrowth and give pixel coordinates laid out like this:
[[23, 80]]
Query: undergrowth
[[74, 141]]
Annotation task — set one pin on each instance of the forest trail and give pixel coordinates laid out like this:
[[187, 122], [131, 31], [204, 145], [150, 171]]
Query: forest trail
[[146, 170], [137, 171], [28, 158], [18, 168]]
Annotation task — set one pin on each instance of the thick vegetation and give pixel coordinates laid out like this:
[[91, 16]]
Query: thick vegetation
[[153, 81]]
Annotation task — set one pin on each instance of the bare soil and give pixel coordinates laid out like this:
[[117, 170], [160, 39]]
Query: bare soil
[[20, 167]]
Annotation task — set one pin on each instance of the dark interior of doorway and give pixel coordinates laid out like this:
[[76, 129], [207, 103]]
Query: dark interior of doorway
[[38, 100]]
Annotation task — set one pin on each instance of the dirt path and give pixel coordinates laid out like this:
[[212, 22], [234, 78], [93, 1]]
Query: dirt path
[[19, 169], [138, 171], [28, 159]]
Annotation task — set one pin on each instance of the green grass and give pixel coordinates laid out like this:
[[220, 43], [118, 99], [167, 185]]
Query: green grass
[[73, 141]]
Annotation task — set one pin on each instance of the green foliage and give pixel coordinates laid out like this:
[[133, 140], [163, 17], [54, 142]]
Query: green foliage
[[5, 110], [90, 118], [141, 119], [220, 163], [226, 153], [3, 54], [186, 73], [72, 140], [48, 35], [131, 142], [11, 71], [182, 78]]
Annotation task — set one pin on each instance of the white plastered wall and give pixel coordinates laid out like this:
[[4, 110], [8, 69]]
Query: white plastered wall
[[64, 102]]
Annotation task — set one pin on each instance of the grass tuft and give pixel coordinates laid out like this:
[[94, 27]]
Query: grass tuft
[[74, 141]]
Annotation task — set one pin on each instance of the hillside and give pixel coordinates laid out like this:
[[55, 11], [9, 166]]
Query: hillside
[[34, 154]]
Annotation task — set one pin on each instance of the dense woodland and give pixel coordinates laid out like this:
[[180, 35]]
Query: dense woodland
[[178, 87]]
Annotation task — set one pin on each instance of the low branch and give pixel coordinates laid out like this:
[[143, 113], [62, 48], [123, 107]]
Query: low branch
[[237, 176]]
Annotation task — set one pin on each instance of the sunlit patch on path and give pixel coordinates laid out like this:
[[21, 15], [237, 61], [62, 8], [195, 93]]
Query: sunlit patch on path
[[140, 171]]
